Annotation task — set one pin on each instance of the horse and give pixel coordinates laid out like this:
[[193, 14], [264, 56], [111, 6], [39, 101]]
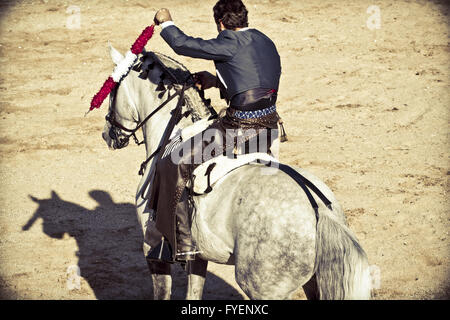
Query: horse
[[257, 218]]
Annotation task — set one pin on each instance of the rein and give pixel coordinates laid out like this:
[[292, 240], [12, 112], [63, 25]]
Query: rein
[[188, 83], [112, 120], [175, 118], [176, 114]]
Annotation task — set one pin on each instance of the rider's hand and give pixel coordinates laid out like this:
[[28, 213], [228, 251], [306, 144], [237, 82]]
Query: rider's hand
[[163, 15], [205, 80]]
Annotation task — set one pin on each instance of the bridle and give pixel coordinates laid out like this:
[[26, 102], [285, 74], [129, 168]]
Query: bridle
[[117, 129], [122, 139], [121, 135]]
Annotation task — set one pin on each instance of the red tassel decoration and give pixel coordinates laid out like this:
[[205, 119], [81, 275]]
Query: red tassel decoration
[[140, 42], [106, 89], [109, 85]]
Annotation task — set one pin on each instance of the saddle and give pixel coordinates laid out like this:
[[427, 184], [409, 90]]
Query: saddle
[[210, 172]]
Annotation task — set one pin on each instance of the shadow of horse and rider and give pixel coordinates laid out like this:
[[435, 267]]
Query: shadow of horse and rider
[[110, 256]]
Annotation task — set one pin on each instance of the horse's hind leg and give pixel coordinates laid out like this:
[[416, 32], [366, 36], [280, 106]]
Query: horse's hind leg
[[196, 278], [162, 279]]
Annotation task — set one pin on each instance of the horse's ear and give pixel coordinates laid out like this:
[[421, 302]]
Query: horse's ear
[[116, 56], [33, 198], [55, 195]]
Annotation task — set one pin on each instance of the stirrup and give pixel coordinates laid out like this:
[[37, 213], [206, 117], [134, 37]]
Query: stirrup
[[161, 253], [186, 256]]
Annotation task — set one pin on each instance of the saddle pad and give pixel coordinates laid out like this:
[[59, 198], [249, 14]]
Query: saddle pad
[[223, 166]]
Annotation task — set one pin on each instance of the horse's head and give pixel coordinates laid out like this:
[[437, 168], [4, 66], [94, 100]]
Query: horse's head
[[122, 117], [134, 101], [58, 216]]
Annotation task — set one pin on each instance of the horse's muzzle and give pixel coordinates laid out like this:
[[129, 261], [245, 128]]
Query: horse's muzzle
[[119, 139]]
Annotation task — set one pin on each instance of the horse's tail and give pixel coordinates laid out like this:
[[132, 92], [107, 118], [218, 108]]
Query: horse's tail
[[342, 268]]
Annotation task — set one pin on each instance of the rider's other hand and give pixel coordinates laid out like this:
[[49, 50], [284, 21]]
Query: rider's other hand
[[163, 15], [205, 80]]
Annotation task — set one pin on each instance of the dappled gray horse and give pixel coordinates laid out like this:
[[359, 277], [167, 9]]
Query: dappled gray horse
[[257, 218]]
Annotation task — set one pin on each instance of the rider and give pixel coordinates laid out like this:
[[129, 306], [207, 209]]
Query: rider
[[248, 72]]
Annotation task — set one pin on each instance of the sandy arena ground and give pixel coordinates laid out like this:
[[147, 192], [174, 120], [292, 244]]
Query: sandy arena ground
[[366, 110]]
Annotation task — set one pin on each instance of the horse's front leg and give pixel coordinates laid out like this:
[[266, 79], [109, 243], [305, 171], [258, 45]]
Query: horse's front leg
[[162, 279], [196, 270]]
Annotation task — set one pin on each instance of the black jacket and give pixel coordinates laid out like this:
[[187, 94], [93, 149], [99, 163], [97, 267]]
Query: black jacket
[[244, 59]]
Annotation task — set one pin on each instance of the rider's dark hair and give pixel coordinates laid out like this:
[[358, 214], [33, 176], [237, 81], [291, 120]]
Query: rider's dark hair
[[232, 13]]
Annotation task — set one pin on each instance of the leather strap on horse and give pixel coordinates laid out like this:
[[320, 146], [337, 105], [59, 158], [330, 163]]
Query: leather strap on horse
[[305, 184], [208, 174], [283, 136], [176, 116]]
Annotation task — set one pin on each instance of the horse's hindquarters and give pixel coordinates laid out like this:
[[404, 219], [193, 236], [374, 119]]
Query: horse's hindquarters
[[265, 219]]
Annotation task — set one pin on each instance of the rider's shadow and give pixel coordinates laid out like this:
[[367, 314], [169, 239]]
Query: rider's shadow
[[109, 240]]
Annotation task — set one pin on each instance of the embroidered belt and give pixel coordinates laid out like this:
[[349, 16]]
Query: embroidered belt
[[254, 114]]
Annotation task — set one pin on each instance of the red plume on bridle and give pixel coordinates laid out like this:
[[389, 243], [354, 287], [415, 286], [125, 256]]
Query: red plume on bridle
[[119, 73]]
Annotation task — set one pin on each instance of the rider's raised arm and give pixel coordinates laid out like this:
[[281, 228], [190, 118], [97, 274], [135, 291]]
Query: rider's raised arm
[[222, 48]]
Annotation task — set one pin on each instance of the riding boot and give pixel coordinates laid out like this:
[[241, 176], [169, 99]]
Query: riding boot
[[185, 247]]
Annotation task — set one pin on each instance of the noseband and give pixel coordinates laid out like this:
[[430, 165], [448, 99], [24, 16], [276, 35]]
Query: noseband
[[117, 132]]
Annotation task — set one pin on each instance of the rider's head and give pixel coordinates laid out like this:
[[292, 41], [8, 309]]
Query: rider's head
[[230, 14]]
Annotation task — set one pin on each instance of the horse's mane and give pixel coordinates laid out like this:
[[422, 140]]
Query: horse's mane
[[176, 74]]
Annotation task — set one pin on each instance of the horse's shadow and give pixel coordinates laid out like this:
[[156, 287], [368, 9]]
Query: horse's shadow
[[110, 256]]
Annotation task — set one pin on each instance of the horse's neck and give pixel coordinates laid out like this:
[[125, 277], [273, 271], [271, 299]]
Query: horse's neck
[[154, 128]]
